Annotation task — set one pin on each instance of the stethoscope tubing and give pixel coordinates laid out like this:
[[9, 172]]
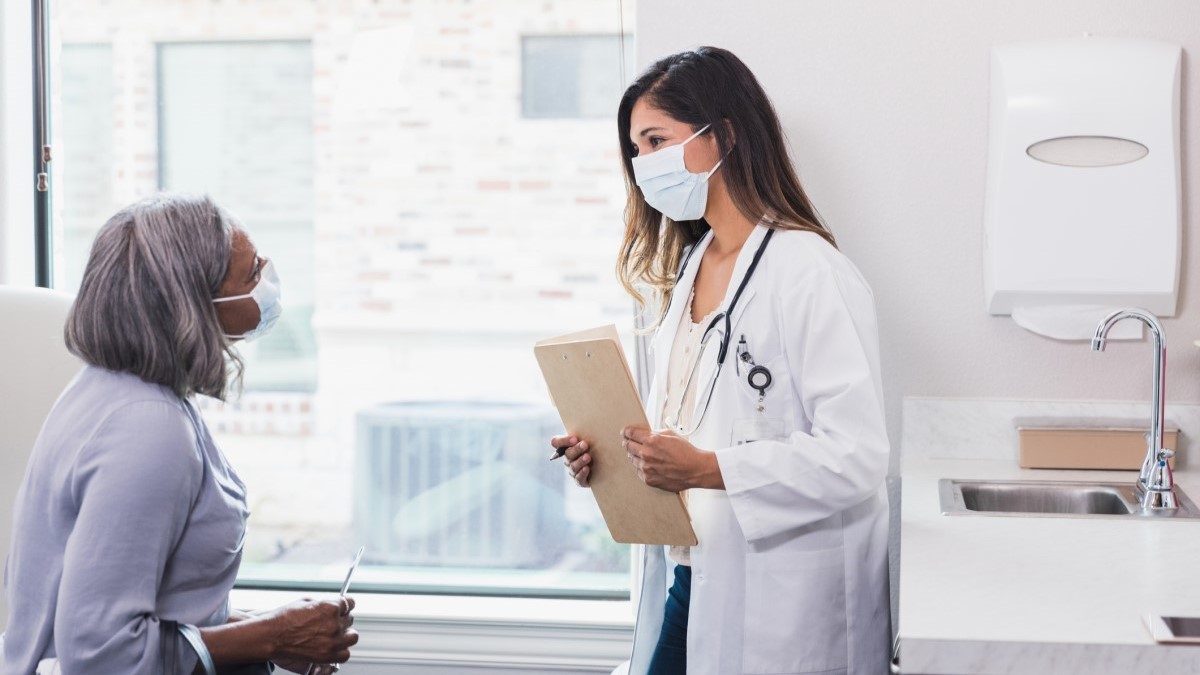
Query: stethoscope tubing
[[723, 347]]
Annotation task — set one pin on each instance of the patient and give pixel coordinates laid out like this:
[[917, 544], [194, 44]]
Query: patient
[[130, 521]]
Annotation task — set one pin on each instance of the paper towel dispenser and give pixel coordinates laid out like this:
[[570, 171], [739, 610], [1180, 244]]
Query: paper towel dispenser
[[1083, 181]]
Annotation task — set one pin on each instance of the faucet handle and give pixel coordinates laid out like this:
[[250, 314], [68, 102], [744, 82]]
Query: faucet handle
[[1160, 484]]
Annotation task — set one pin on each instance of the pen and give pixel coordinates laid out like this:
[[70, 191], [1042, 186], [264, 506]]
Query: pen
[[559, 452], [350, 572], [342, 594]]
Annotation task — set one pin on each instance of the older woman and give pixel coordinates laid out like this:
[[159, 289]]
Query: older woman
[[130, 522]]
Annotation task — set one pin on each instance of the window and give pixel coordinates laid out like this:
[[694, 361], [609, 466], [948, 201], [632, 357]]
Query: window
[[86, 137], [426, 233], [572, 75], [235, 119]]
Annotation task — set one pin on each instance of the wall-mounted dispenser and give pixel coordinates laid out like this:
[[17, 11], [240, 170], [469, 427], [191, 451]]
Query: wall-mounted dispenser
[[1082, 212]]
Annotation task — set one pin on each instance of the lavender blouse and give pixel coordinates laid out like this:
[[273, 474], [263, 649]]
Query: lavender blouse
[[128, 521]]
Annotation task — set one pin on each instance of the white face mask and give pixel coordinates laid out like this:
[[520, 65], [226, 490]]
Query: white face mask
[[668, 186], [269, 299]]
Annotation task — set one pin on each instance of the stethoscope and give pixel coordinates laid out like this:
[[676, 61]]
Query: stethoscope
[[758, 378]]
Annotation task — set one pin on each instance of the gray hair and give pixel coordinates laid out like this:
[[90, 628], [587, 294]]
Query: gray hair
[[145, 303]]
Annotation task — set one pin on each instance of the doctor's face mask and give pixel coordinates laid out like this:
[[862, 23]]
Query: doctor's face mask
[[668, 186]]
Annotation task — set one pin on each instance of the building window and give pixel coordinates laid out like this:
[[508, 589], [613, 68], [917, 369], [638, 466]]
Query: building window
[[235, 121], [377, 156], [86, 127], [564, 76]]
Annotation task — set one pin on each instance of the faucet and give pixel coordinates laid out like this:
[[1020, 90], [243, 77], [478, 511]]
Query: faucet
[[1155, 487]]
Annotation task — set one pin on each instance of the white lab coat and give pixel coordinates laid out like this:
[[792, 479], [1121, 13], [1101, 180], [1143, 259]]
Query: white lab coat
[[790, 574]]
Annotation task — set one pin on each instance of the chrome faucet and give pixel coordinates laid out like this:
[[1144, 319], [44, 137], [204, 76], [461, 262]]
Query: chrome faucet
[[1156, 485]]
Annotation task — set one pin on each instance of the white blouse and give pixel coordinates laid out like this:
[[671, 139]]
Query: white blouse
[[684, 352]]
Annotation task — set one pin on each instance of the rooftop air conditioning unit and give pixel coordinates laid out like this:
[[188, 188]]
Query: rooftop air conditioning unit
[[459, 485]]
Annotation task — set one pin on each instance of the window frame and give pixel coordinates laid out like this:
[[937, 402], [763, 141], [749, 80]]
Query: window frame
[[401, 627], [470, 632], [17, 259]]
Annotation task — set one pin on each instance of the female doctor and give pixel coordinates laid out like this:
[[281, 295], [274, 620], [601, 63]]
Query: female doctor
[[766, 392]]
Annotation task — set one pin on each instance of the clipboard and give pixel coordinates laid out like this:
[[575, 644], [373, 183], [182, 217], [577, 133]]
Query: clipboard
[[593, 389]]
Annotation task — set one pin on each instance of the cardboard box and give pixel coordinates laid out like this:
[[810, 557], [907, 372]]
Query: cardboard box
[[1087, 448]]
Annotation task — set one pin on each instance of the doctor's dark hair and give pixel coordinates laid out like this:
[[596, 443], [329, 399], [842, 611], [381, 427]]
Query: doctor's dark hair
[[708, 86], [145, 303]]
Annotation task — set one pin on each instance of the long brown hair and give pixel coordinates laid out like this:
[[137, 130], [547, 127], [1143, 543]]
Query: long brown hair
[[708, 86]]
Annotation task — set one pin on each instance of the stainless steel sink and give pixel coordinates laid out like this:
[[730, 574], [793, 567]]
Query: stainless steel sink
[[1051, 499]]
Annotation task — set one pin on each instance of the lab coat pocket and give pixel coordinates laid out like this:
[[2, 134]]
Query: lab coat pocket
[[776, 396], [775, 421], [795, 612]]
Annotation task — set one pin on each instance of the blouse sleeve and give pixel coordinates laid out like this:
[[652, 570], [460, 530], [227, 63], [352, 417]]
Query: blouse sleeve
[[831, 341], [133, 485]]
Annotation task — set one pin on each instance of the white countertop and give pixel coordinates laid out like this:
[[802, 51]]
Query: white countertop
[[1028, 595]]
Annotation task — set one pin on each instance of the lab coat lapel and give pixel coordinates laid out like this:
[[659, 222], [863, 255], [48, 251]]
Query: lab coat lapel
[[708, 363], [665, 337]]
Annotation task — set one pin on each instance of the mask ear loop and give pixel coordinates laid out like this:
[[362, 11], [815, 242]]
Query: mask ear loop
[[702, 130], [719, 162]]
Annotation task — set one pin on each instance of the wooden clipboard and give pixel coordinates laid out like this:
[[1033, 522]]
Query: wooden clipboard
[[593, 389]]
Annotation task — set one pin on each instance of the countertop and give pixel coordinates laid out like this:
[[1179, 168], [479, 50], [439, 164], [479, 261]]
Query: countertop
[[996, 594]]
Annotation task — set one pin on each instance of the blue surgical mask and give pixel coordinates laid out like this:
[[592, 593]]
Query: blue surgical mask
[[668, 186], [268, 297]]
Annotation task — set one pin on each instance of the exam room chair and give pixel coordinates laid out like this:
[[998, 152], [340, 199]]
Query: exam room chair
[[35, 367]]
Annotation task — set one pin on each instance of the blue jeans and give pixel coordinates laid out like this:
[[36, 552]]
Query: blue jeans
[[670, 655]]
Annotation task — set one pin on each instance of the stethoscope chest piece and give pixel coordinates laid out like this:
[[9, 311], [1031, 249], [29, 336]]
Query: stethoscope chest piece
[[758, 377]]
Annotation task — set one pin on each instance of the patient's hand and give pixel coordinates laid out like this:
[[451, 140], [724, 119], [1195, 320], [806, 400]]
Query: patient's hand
[[313, 631]]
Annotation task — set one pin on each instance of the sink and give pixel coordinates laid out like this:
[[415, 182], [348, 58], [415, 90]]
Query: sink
[[1054, 499], [1046, 498], [1185, 629]]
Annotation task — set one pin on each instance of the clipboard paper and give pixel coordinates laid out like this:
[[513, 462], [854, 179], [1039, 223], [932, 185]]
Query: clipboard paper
[[591, 385]]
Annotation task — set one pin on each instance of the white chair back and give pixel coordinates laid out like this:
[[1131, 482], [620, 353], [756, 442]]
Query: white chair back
[[35, 367]]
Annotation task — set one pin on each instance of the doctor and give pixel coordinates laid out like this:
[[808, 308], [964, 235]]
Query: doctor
[[766, 392]]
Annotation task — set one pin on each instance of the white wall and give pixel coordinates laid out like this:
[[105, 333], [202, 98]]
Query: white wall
[[16, 246], [16, 146], [885, 105]]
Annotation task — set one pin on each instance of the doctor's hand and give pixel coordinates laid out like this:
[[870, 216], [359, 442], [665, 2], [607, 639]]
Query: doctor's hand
[[670, 462], [576, 458]]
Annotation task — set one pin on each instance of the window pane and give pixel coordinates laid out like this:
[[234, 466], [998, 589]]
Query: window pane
[[85, 145], [426, 231], [573, 75], [235, 119]]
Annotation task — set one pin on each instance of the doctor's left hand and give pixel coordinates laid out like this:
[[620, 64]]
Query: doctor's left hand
[[668, 461]]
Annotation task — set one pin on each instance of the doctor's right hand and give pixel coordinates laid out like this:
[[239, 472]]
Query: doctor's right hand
[[576, 458]]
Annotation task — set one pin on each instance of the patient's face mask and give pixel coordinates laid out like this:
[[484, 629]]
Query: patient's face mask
[[268, 297], [668, 186]]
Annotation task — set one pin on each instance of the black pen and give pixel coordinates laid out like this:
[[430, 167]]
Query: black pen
[[559, 452]]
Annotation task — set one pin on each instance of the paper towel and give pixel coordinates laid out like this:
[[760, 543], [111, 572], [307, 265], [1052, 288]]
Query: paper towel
[[1073, 322]]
